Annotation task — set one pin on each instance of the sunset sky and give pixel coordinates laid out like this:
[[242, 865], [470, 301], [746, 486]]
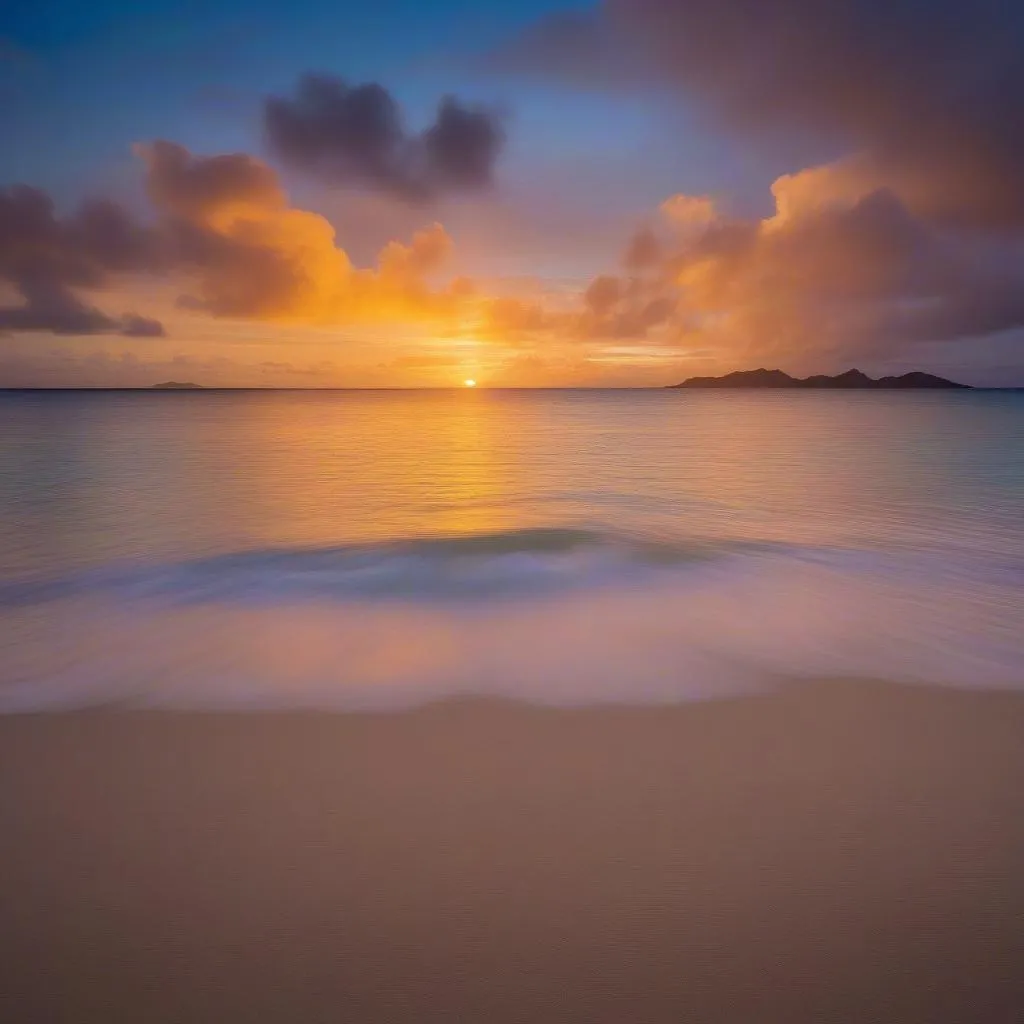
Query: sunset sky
[[521, 192]]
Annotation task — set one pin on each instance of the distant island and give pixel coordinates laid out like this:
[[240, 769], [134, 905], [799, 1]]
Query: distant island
[[851, 379], [174, 385]]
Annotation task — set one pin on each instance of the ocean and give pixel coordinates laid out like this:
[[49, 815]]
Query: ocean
[[383, 549]]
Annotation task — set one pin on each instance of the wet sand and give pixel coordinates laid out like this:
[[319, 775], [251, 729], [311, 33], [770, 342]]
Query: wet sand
[[826, 853]]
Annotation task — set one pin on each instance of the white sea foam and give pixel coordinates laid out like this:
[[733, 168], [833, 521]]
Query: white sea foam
[[549, 616]]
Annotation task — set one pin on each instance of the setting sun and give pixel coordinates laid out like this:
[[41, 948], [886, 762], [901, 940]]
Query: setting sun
[[469, 383]]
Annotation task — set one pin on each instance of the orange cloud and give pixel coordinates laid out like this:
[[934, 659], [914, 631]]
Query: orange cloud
[[251, 254], [842, 268], [689, 211]]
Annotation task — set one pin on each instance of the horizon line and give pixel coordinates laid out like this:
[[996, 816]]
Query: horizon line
[[150, 388]]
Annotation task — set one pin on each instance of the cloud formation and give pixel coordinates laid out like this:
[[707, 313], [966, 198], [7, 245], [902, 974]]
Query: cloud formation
[[632, 306], [226, 231], [355, 135], [229, 225], [928, 93], [224, 225], [838, 273], [834, 275], [47, 259]]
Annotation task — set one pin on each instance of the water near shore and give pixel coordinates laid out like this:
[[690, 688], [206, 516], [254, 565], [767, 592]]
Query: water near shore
[[383, 549]]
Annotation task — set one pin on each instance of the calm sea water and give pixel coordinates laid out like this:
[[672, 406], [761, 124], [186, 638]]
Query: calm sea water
[[354, 549]]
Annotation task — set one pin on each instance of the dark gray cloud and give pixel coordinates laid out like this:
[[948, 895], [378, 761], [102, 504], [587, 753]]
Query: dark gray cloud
[[461, 147], [50, 306], [135, 326], [192, 188], [114, 240], [35, 246], [355, 135], [47, 259], [930, 91]]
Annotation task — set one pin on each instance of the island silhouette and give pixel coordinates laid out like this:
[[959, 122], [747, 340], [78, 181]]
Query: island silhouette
[[175, 385], [851, 379]]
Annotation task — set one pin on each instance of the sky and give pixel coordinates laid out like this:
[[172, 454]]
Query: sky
[[521, 192]]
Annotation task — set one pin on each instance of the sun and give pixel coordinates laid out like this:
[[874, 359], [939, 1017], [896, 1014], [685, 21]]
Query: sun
[[469, 382]]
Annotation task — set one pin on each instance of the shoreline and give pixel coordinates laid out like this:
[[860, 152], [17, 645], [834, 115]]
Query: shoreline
[[840, 851]]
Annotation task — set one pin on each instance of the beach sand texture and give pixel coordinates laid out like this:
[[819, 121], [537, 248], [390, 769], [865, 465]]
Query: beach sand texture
[[838, 852]]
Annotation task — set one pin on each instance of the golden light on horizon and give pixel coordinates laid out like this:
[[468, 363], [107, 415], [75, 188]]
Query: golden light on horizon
[[469, 382]]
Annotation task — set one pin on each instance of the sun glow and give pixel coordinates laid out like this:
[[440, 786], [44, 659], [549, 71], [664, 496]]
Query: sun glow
[[469, 382]]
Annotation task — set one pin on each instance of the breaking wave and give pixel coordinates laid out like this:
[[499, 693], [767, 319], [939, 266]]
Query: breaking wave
[[551, 615]]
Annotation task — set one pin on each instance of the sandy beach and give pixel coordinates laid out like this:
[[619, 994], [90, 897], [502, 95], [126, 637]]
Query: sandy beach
[[837, 852]]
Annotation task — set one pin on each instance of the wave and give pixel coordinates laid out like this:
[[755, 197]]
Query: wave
[[551, 615], [498, 564]]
